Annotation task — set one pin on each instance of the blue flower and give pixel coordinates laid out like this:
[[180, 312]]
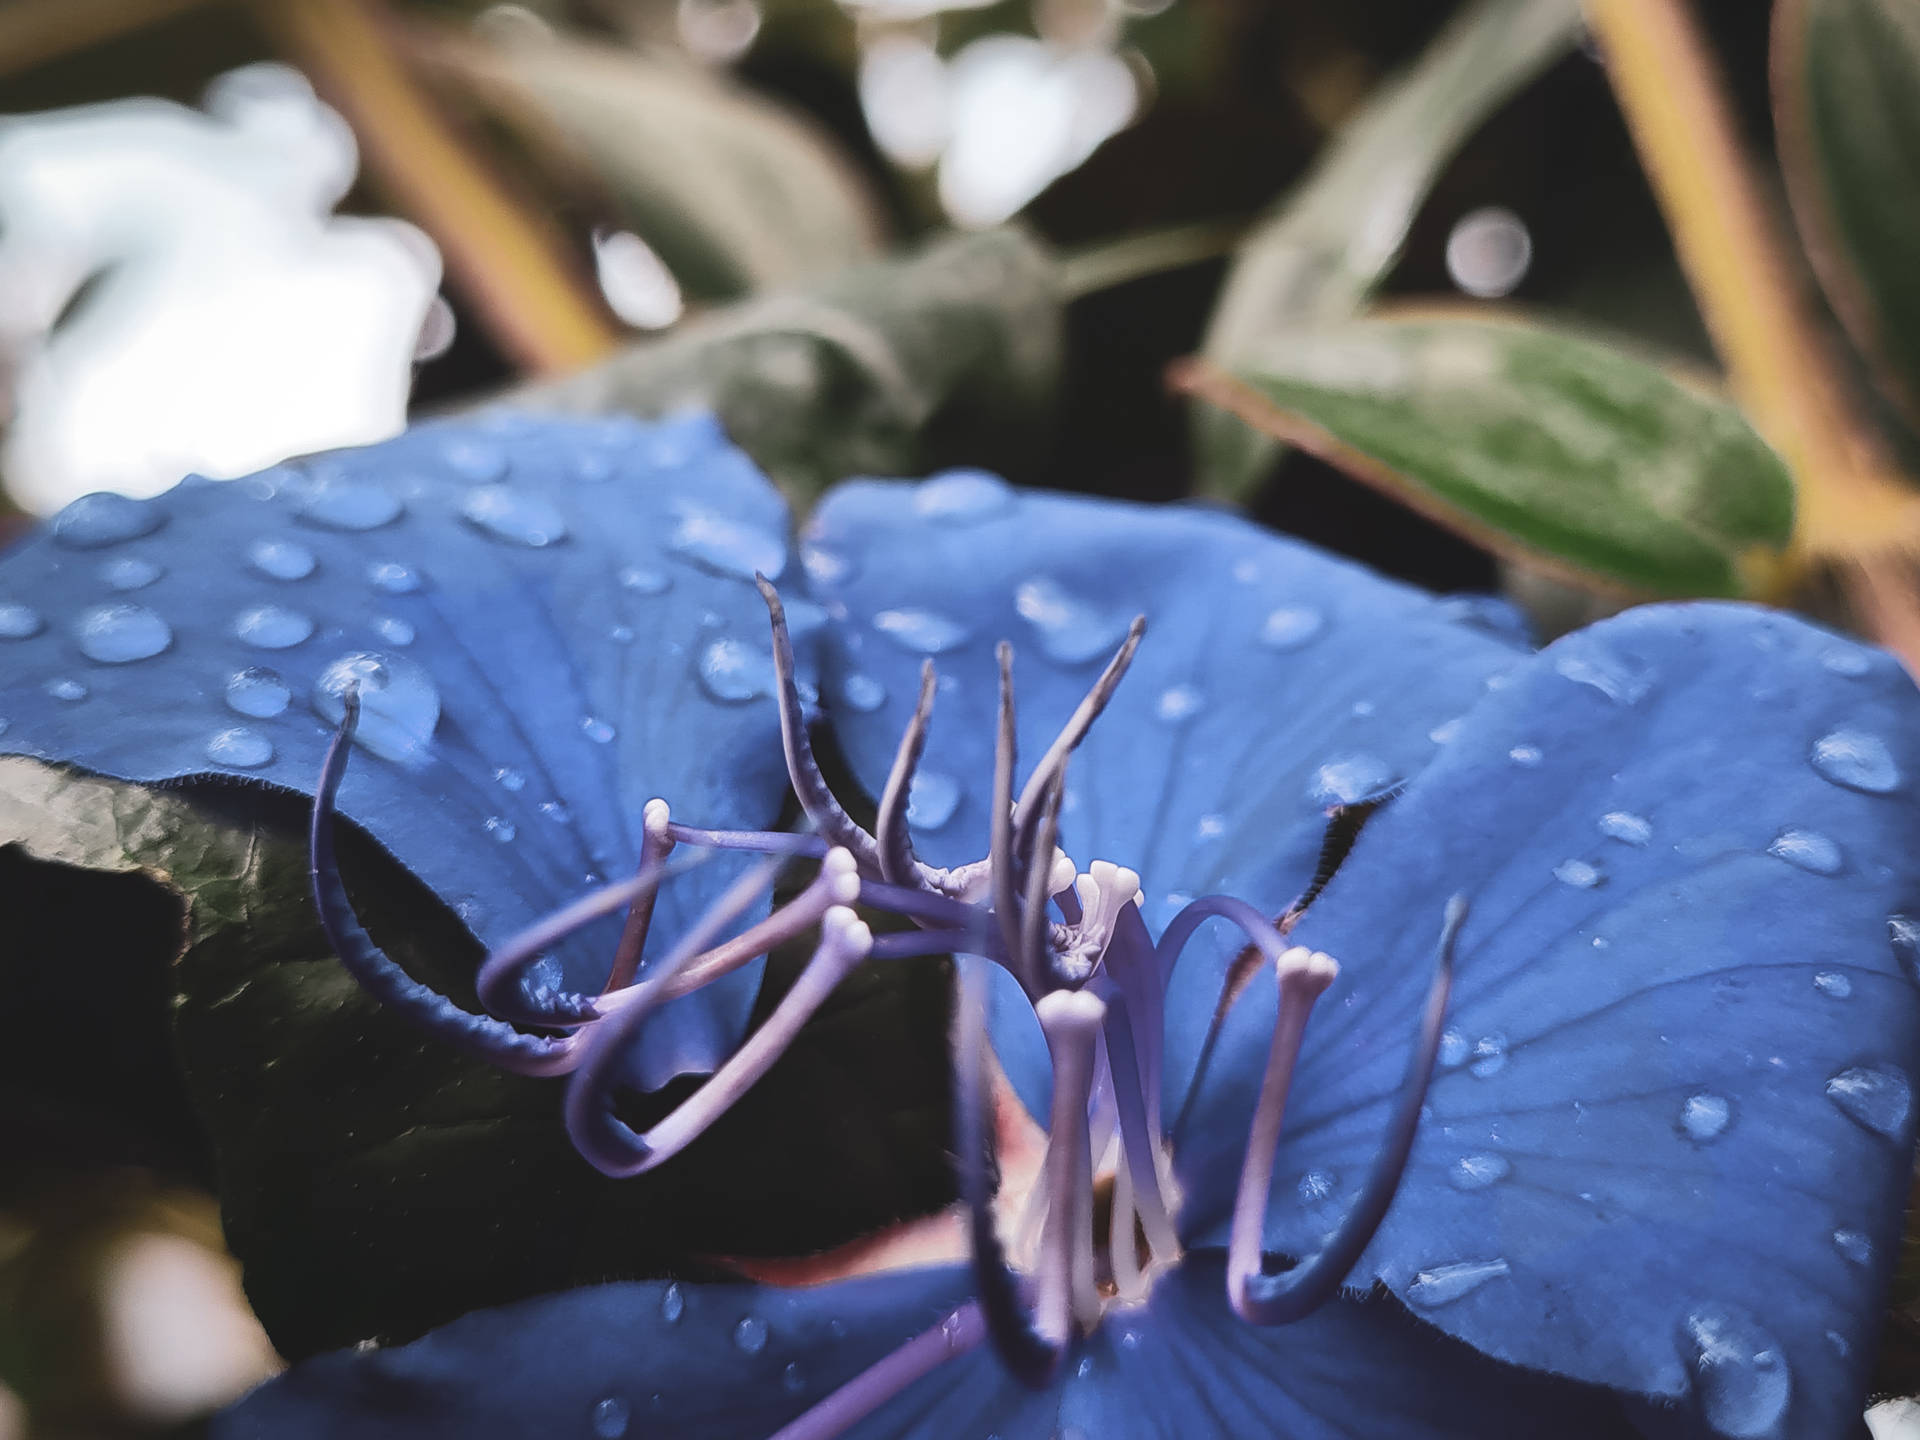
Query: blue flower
[[1652, 1184]]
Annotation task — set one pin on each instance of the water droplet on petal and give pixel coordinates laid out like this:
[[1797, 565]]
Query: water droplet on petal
[[962, 496], [1809, 850], [479, 460], [1878, 1100], [121, 633], [257, 692], [1620, 682], [240, 747], [1291, 626], [555, 811], [500, 828], [130, 573], [62, 688], [726, 546], [393, 577], [272, 627], [509, 779], [94, 522], [596, 730], [19, 622], [1581, 874], [1848, 660], [673, 1304], [399, 703], [394, 630], [351, 505], [1489, 1055], [733, 671], [1903, 936], [1854, 1245], [793, 1379], [1704, 1117], [1444, 1284], [515, 516], [1350, 779], [1477, 1172], [1626, 827], [863, 693], [1739, 1373], [931, 799], [824, 566], [1178, 703], [1857, 760], [1210, 827], [643, 580], [281, 559], [921, 631], [1445, 732], [610, 1418], [1833, 984], [1317, 1186], [1528, 757], [1454, 1048], [751, 1334], [1071, 630]]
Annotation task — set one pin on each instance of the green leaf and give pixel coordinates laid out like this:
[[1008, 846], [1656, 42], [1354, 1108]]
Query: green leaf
[[735, 193], [891, 368], [373, 1182], [1847, 102], [1537, 443], [1331, 240]]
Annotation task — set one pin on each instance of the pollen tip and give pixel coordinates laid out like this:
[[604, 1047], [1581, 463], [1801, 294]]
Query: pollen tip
[[655, 816], [1066, 1012], [1064, 875], [845, 933], [1307, 971], [841, 875]]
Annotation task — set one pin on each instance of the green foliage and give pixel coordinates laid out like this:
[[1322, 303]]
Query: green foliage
[[1533, 441]]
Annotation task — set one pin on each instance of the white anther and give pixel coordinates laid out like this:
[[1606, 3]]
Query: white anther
[[1070, 1012], [844, 936], [840, 873], [654, 818], [1062, 876], [1306, 972]]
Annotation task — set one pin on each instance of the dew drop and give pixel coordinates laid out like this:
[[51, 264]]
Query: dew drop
[[733, 671], [1809, 850], [257, 692], [62, 688], [1739, 1374], [793, 1379], [596, 730], [1832, 983], [1903, 936], [1848, 660], [1580, 874], [1878, 1100], [931, 799], [1178, 703], [130, 573], [394, 630], [1477, 1172], [1620, 682], [727, 547], [399, 703], [643, 580], [272, 627], [509, 779], [1317, 1186], [241, 748], [1704, 1117], [1350, 779], [1290, 627], [500, 828], [1445, 732], [514, 516], [19, 622], [121, 633], [962, 496], [863, 693], [479, 460], [610, 1418], [1071, 630], [352, 505], [1854, 1245], [393, 578], [1210, 827], [1857, 760], [94, 522], [750, 1334], [1454, 1048], [1528, 757], [1626, 827], [673, 1304], [1489, 1055], [922, 631], [281, 559], [1446, 1283], [555, 811], [824, 566]]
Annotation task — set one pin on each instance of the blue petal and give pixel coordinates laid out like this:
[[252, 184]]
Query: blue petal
[[1671, 1143], [1274, 681], [565, 614]]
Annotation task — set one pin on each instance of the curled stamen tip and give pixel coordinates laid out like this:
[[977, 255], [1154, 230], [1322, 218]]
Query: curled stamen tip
[[1064, 873], [845, 935], [1307, 971], [654, 818], [841, 875], [1065, 1012]]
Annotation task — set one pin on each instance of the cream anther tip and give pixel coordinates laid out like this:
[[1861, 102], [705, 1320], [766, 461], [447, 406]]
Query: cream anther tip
[[654, 817], [845, 931], [1069, 1010]]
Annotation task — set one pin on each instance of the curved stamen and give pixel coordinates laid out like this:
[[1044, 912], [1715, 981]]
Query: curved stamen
[[1138, 1148], [478, 1035], [1029, 1357], [1262, 1299], [613, 1147], [846, 1407], [1034, 955], [500, 983], [905, 943], [655, 845], [921, 905], [1005, 891], [1077, 726], [1071, 1020], [809, 784], [894, 839], [763, 842]]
